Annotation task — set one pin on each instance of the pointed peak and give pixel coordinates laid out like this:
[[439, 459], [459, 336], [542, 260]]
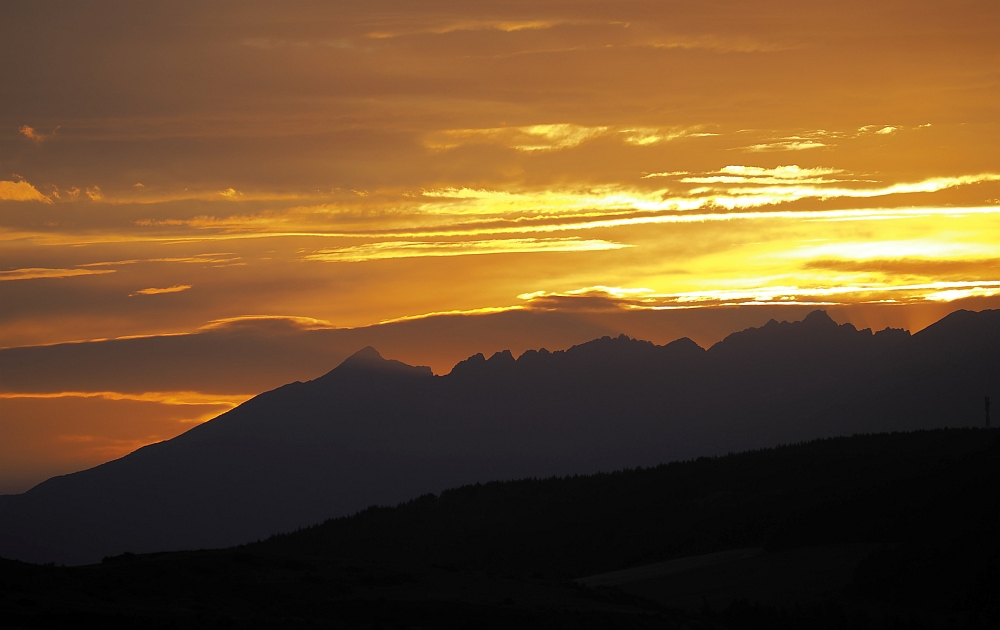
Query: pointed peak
[[501, 357], [368, 359], [469, 365], [478, 364], [365, 356], [819, 318]]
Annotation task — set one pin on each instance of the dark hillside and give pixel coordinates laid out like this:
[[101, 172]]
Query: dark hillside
[[874, 531], [880, 489]]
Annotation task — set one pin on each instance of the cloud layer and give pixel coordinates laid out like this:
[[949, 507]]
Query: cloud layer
[[243, 165]]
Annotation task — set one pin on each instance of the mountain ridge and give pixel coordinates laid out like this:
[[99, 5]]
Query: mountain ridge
[[376, 431]]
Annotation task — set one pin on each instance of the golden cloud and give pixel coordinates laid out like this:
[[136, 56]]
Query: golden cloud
[[718, 44], [177, 288], [20, 191], [788, 183], [166, 398], [218, 258], [881, 130], [507, 26], [784, 145], [665, 174], [769, 295], [531, 138], [255, 321], [645, 136], [420, 249], [792, 174], [34, 273], [33, 134], [551, 137]]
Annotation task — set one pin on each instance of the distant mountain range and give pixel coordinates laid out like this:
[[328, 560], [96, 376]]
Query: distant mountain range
[[376, 431]]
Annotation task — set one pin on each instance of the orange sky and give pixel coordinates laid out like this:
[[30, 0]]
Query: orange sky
[[166, 167]]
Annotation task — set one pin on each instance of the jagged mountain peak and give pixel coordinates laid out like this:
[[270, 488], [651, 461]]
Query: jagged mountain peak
[[819, 318], [365, 355], [368, 360]]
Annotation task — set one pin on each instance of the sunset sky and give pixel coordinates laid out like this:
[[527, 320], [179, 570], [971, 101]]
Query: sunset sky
[[257, 174]]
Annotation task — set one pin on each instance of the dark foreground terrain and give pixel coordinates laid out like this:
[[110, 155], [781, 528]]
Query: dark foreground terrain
[[880, 531]]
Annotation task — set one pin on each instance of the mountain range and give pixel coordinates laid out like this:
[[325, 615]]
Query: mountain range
[[377, 431]]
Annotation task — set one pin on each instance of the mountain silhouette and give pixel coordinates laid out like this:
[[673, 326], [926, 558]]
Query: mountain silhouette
[[377, 431]]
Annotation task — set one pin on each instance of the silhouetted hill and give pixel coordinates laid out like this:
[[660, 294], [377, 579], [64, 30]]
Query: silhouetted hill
[[373, 431], [877, 531]]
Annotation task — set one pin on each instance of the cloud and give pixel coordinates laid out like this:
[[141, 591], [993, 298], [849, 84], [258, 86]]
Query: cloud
[[95, 194], [420, 249], [215, 259], [784, 145], [793, 171], [645, 136], [665, 174], [166, 398], [231, 193], [35, 273], [883, 130], [550, 202], [766, 295], [267, 323], [548, 137], [757, 187], [21, 191], [719, 44], [177, 288], [446, 213], [950, 295], [506, 26], [33, 134], [452, 213], [792, 174], [591, 299]]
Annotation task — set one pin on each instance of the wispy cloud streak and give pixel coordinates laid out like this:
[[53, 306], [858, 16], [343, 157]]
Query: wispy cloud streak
[[177, 288], [419, 249], [35, 273]]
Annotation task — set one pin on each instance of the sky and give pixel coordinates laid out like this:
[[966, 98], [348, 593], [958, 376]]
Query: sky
[[287, 181]]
